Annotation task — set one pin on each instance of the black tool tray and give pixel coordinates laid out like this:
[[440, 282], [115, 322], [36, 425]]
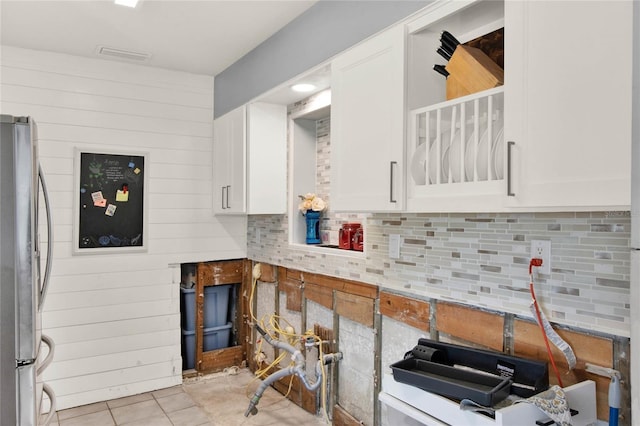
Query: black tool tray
[[451, 382], [431, 368]]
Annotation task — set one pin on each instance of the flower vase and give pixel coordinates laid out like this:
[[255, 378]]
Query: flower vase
[[313, 227]]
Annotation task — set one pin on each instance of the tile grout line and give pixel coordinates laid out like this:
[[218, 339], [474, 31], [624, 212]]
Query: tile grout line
[[160, 405], [111, 414]]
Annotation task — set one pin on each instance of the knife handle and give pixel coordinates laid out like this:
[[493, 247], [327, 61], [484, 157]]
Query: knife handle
[[450, 38], [447, 46], [442, 53], [440, 69]]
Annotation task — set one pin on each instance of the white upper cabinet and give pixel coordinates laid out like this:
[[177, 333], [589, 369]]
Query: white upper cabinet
[[250, 166], [555, 137], [367, 125], [454, 141], [267, 158], [568, 103], [229, 163]]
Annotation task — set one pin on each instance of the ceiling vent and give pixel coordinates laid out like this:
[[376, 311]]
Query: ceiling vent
[[128, 55]]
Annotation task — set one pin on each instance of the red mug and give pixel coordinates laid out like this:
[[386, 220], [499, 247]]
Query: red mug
[[358, 240], [345, 235]]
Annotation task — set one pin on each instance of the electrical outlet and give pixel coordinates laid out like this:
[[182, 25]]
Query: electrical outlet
[[541, 249], [394, 246]]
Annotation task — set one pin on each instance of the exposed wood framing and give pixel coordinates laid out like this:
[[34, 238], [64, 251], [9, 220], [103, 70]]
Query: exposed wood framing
[[404, 309], [219, 359], [289, 386], [276, 310], [346, 286], [245, 329], [211, 274], [293, 290], [354, 300], [342, 418], [473, 325], [309, 400], [319, 294], [476, 327], [219, 273], [295, 391], [528, 343], [268, 273], [326, 335], [356, 308]]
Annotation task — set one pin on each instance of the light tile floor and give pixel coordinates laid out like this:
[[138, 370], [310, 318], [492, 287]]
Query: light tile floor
[[217, 399]]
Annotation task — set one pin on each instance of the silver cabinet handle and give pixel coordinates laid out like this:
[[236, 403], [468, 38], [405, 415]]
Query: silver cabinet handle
[[228, 188], [391, 175], [222, 188], [510, 144]]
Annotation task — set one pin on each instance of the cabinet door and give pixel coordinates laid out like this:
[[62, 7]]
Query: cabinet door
[[568, 103], [267, 158], [220, 156], [229, 163], [367, 125]]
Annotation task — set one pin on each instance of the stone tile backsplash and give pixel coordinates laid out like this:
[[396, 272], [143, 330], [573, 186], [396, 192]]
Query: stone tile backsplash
[[482, 260]]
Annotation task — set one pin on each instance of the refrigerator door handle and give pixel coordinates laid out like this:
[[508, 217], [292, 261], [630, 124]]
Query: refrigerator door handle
[[52, 405], [45, 363], [47, 269]]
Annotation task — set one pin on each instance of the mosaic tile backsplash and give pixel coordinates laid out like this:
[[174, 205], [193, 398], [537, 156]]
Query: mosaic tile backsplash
[[482, 260], [476, 259]]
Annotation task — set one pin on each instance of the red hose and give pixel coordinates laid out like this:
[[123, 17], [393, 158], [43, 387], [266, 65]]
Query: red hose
[[538, 262]]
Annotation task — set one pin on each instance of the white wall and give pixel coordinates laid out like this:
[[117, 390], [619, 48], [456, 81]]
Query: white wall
[[115, 318]]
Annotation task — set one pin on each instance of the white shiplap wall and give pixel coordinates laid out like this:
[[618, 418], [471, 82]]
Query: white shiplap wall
[[115, 318]]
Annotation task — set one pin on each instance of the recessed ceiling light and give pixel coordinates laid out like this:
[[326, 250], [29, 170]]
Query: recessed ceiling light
[[303, 87], [128, 3]]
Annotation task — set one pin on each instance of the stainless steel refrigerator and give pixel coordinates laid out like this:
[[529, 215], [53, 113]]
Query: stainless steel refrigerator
[[23, 284]]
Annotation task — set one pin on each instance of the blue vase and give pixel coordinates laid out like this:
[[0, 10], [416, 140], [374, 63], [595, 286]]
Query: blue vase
[[313, 227]]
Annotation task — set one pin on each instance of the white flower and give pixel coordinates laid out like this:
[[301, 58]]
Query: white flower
[[305, 205], [317, 204], [311, 202]]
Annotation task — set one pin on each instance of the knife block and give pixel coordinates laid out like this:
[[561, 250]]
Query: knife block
[[470, 71]]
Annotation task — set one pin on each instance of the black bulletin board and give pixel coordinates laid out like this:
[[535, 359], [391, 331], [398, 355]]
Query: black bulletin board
[[111, 202]]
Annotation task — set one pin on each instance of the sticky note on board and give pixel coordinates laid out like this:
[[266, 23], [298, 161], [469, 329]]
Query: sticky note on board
[[122, 196], [137, 171], [97, 196], [111, 210], [100, 203]]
